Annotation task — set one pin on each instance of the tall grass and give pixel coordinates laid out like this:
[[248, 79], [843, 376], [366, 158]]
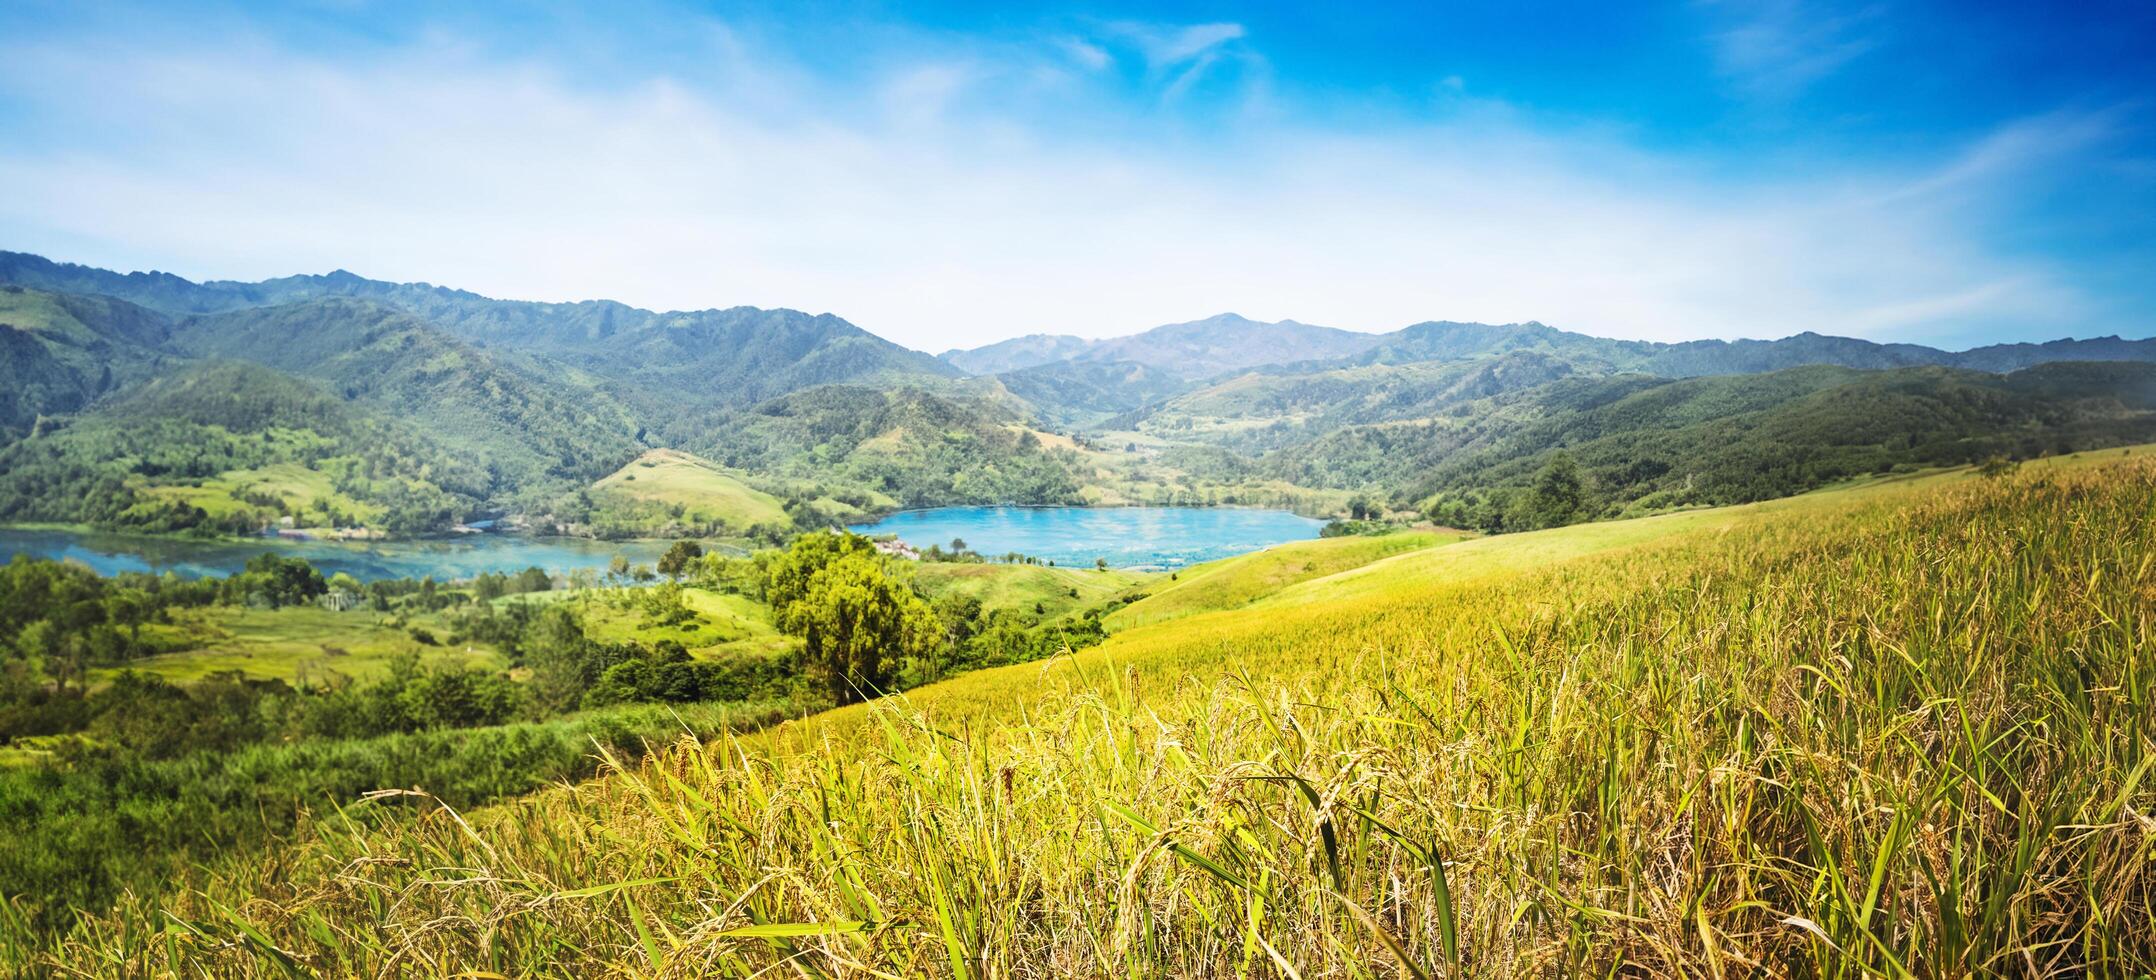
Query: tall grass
[[1902, 734]]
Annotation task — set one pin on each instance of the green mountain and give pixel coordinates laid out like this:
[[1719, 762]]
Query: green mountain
[[1437, 341], [527, 421], [1190, 351], [407, 406], [1017, 353], [59, 353], [1078, 394], [730, 357], [1643, 443], [896, 446], [1228, 342], [1261, 411], [229, 446]]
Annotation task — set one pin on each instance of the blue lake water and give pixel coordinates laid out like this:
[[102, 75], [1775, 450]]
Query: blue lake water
[[447, 558], [1128, 537]]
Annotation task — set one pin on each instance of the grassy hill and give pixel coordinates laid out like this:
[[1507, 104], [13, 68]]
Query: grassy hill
[[1022, 589], [1751, 736], [667, 488], [1232, 583]]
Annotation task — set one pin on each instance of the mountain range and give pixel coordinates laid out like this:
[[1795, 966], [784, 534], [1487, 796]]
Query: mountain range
[[409, 406]]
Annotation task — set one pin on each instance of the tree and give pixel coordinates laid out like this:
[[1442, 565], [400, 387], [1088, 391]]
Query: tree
[[553, 646], [858, 625], [677, 558], [532, 579], [786, 574], [1559, 496], [1100, 564]]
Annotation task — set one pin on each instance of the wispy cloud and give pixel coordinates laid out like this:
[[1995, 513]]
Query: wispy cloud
[[1168, 47], [1776, 49], [1179, 57], [1084, 53]]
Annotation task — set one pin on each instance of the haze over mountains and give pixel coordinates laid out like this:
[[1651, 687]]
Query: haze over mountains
[[448, 404]]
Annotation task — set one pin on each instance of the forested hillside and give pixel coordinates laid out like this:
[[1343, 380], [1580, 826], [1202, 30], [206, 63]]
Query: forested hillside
[[732, 356], [461, 406], [1632, 444], [229, 447], [60, 352], [912, 447], [532, 424]]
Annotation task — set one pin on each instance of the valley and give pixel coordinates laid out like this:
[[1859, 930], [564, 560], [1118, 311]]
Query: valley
[[321, 584]]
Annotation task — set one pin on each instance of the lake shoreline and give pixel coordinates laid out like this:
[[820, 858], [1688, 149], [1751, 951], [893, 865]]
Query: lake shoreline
[[1124, 536]]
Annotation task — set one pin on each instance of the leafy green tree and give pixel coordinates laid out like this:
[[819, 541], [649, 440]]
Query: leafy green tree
[[786, 574], [859, 625], [1559, 496], [679, 557], [555, 648]]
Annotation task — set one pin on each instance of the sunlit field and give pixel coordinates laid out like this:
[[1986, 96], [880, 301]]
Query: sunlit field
[[1896, 730]]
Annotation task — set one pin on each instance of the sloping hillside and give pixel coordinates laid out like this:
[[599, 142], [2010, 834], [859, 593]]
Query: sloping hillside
[[667, 488], [1233, 583], [528, 424], [1077, 394], [1392, 768], [229, 447], [1657, 443], [1017, 353], [695, 358], [908, 445], [1228, 342], [59, 353]]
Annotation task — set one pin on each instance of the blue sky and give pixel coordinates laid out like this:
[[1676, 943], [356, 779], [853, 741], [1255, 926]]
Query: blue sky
[[950, 174]]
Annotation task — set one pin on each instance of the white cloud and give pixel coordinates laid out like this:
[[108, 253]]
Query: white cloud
[[1166, 47], [1087, 55], [1777, 48], [937, 223]]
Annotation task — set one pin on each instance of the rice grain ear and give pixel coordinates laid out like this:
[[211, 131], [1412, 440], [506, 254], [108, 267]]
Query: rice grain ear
[[1385, 937]]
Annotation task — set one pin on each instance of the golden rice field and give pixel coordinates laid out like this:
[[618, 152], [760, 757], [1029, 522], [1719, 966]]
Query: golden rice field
[[1904, 730]]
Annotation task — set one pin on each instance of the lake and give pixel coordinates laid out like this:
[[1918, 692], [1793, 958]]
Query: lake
[[1128, 537], [444, 558]]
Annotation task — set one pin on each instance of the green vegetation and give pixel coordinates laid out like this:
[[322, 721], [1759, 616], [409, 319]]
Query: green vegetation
[[227, 448], [201, 718], [668, 493], [406, 408], [1643, 445], [1232, 583], [910, 446], [1590, 767], [1027, 590], [1668, 719]]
